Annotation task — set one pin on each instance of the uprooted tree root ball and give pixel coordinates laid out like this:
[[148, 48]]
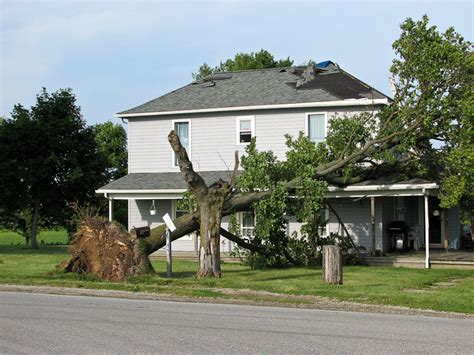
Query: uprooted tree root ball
[[105, 250]]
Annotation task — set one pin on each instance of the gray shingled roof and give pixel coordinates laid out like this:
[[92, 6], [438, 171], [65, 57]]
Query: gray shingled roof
[[161, 181], [174, 181], [261, 87]]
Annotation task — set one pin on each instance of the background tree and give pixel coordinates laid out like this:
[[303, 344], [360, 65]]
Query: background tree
[[112, 145], [434, 100], [111, 140], [48, 158], [243, 61]]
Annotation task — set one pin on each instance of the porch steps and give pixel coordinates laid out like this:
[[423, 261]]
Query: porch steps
[[416, 263]]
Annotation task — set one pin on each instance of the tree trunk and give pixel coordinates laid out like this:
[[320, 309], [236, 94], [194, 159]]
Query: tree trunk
[[210, 200], [34, 226], [209, 250], [332, 264]]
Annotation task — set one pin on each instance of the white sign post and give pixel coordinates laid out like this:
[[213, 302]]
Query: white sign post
[[170, 227]]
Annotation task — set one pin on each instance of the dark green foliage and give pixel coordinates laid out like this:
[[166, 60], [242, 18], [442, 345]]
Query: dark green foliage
[[262, 171], [48, 158], [111, 142], [244, 61], [112, 145], [433, 73]]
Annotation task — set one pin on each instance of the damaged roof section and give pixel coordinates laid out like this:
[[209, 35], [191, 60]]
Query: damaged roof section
[[324, 81]]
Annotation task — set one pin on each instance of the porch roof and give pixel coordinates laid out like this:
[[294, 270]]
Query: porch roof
[[385, 187], [170, 185]]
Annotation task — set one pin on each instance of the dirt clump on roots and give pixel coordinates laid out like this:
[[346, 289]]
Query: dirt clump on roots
[[106, 251]]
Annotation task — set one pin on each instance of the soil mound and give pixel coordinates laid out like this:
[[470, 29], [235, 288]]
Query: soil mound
[[107, 251]]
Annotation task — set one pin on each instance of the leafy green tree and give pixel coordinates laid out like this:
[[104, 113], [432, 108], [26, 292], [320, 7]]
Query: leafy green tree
[[112, 145], [244, 61], [433, 102], [111, 140], [48, 158]]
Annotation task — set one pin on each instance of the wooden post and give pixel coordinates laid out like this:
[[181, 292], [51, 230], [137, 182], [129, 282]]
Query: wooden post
[[372, 222], [332, 264]]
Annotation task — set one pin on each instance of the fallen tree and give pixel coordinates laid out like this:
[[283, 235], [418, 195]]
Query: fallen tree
[[432, 102]]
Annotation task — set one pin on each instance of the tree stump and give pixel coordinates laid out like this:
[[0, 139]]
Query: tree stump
[[332, 264]]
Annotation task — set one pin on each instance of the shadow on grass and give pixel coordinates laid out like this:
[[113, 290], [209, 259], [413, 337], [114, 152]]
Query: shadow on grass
[[177, 274], [43, 249], [290, 277]]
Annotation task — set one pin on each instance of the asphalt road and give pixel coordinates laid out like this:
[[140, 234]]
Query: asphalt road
[[38, 323]]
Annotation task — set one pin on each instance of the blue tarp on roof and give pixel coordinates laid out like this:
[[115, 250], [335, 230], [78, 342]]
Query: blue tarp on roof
[[324, 64]]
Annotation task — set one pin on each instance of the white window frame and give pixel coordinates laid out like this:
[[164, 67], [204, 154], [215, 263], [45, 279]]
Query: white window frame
[[306, 122], [241, 223], [237, 127], [189, 150]]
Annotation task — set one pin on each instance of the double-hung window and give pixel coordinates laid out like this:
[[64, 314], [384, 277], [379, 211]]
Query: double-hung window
[[316, 127], [247, 224], [245, 129], [182, 129]]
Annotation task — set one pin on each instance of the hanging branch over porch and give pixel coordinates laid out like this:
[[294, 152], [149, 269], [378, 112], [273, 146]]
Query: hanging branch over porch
[[242, 201]]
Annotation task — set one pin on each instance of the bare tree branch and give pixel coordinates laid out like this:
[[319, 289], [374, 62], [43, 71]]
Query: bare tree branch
[[194, 181], [239, 241], [236, 168]]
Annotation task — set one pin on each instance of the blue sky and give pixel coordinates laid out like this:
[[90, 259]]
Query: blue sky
[[118, 54]]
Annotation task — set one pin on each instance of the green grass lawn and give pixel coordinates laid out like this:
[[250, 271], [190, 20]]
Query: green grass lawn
[[45, 237], [375, 285]]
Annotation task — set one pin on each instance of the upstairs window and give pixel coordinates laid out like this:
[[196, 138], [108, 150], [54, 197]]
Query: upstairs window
[[182, 130], [316, 127], [245, 129]]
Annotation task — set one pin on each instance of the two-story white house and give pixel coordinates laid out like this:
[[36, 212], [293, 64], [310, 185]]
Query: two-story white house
[[220, 114]]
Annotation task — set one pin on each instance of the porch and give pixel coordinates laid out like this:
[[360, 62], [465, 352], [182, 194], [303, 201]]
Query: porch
[[366, 210], [386, 216]]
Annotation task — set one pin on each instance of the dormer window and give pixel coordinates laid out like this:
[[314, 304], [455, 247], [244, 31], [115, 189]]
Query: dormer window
[[245, 129]]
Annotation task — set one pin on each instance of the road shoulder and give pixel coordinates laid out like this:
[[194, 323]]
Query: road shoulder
[[238, 297]]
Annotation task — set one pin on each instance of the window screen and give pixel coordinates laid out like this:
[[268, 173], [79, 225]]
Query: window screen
[[245, 131], [182, 130], [316, 128]]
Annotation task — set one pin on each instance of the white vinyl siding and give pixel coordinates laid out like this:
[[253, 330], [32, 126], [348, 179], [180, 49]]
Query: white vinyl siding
[[356, 217], [140, 213], [212, 138]]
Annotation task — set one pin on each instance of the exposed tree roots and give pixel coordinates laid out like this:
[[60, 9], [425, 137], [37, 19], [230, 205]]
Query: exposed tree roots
[[106, 251]]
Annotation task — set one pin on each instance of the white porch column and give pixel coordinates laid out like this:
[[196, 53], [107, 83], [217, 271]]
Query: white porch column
[[111, 209], [427, 234], [372, 222]]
